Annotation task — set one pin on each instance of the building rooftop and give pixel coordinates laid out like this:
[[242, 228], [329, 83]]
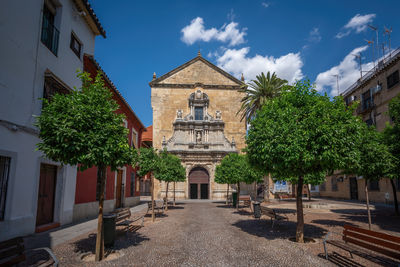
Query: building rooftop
[[148, 134], [383, 64], [90, 17]]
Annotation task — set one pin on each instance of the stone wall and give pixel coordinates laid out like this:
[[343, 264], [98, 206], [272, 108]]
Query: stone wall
[[171, 94]]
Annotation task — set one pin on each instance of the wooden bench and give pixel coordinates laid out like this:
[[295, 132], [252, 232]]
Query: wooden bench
[[273, 215], [367, 244], [246, 200], [12, 252], [124, 218], [159, 205]]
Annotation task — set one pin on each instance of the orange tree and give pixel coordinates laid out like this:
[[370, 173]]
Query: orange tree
[[301, 133], [83, 128]]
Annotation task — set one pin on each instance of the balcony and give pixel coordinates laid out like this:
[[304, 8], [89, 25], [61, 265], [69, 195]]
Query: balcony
[[50, 36]]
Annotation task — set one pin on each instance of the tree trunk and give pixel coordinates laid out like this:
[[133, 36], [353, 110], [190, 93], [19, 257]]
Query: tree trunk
[[174, 193], [300, 215], [238, 195], [396, 204], [308, 192], [166, 197], [227, 194], [255, 191], [266, 187], [153, 215], [101, 176], [367, 199]]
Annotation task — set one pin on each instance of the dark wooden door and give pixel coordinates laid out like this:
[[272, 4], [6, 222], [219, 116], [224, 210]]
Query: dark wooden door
[[204, 191], [47, 186], [118, 194], [353, 188], [193, 191]]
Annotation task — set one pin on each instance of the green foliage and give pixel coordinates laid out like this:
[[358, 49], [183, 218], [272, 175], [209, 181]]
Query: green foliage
[[169, 168], [375, 158], [303, 133], [83, 128], [147, 160], [258, 92], [235, 168], [392, 136]]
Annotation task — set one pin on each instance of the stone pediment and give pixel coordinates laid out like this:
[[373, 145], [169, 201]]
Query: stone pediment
[[195, 72]]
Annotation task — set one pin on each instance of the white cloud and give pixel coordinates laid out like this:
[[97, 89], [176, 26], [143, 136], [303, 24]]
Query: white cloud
[[358, 23], [236, 61], [348, 71], [195, 31], [265, 4]]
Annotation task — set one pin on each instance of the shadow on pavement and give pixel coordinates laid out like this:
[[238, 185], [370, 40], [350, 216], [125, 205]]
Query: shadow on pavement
[[175, 208], [383, 219], [340, 260], [332, 222], [282, 229], [127, 240]]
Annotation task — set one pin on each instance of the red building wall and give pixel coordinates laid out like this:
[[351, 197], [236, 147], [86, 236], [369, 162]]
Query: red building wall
[[86, 180]]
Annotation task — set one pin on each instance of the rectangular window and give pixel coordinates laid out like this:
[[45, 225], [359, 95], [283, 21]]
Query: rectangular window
[[198, 113], [367, 100], [373, 185], [322, 187], [50, 33], [75, 45], [334, 184], [392, 79], [52, 87], [4, 174], [132, 184]]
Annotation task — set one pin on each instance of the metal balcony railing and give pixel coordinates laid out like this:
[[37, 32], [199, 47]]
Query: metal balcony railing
[[50, 36], [383, 62]]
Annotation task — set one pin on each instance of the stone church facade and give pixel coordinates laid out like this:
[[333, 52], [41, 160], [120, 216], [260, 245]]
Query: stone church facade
[[195, 117]]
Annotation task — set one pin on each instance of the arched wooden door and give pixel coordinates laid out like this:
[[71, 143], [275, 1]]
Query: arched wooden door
[[199, 181]]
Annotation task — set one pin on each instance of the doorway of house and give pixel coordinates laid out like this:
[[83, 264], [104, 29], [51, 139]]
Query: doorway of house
[[118, 193], [353, 188], [47, 186], [199, 183]]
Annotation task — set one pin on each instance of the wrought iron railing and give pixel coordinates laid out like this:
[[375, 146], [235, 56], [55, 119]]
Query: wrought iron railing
[[381, 64]]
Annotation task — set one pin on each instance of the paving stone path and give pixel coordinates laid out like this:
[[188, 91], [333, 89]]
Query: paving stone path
[[203, 234]]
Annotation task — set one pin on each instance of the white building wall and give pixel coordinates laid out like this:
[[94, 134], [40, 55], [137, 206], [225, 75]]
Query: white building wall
[[23, 62]]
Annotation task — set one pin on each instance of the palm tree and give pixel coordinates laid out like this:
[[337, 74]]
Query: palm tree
[[257, 93]]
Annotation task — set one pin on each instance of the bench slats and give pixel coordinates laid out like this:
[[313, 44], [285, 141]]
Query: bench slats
[[373, 233], [12, 261], [372, 240], [11, 242], [381, 250], [15, 250]]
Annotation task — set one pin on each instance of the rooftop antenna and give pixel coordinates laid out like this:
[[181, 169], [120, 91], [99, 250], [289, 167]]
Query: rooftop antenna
[[372, 45], [358, 56], [388, 32], [337, 83], [377, 41]]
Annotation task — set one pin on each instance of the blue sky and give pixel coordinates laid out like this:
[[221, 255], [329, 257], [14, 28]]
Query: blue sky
[[296, 39]]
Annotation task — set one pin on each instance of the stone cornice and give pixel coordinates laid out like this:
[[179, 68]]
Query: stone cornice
[[192, 86]]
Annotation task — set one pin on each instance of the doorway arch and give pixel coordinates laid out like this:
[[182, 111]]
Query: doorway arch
[[199, 182]]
